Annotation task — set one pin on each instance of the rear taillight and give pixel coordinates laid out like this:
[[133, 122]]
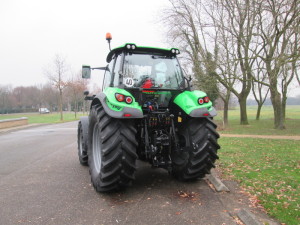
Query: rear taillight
[[206, 99], [122, 98], [203, 100]]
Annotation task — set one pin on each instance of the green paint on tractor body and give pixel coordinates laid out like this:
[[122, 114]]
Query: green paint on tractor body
[[188, 101], [115, 105]]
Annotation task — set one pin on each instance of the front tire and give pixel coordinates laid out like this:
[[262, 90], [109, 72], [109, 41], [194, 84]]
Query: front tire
[[199, 136], [112, 151]]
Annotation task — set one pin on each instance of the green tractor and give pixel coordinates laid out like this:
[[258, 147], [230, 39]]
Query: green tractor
[[148, 111]]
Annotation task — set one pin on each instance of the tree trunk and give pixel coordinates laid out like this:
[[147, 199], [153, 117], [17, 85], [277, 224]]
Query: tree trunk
[[225, 113], [283, 108], [283, 114], [258, 111], [243, 111], [60, 105], [226, 107], [75, 108], [278, 112]]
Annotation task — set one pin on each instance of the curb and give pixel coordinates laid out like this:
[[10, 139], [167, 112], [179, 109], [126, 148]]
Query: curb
[[247, 218], [7, 130], [216, 182]]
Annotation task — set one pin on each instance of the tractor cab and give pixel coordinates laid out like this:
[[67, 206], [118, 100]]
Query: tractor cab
[[145, 67], [147, 73]]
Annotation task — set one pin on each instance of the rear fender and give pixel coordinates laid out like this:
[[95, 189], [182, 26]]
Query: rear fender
[[115, 109], [188, 102]]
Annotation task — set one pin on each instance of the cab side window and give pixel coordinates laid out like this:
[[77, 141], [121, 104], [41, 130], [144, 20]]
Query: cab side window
[[116, 71]]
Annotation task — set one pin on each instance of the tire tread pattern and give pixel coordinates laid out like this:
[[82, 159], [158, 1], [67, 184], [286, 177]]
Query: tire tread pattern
[[118, 146], [203, 136]]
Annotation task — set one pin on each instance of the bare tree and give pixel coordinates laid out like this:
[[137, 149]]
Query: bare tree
[[278, 23], [235, 23], [18, 94], [76, 87], [57, 76], [234, 34], [50, 96], [290, 69], [217, 38], [5, 97], [225, 97], [260, 89], [185, 29], [227, 68]]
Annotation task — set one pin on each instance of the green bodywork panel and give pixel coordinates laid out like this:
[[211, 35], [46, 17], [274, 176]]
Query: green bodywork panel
[[115, 105], [188, 101]]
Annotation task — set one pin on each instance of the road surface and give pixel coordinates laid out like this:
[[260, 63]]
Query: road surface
[[42, 182]]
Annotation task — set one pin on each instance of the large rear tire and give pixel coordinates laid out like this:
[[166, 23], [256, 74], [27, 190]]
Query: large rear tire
[[112, 151], [199, 138]]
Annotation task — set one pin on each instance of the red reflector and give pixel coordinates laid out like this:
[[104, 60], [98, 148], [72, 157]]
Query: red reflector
[[119, 97], [200, 101], [205, 114], [128, 100], [127, 115]]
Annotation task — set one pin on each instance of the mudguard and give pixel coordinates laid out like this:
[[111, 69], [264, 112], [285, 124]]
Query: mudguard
[[188, 102], [116, 109]]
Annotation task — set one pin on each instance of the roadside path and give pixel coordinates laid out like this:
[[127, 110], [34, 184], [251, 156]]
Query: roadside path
[[262, 136], [6, 130], [297, 138]]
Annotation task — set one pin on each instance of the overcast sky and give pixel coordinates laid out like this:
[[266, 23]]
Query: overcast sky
[[33, 31]]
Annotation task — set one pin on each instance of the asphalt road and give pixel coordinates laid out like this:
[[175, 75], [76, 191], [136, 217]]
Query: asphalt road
[[42, 182]]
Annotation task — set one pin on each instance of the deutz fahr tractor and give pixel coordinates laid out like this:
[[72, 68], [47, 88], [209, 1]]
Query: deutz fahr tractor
[[147, 110]]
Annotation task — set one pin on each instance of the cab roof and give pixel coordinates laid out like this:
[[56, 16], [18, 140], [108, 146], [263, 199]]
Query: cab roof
[[131, 47]]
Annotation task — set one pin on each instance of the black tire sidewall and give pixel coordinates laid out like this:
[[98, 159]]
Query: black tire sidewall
[[93, 121], [82, 154]]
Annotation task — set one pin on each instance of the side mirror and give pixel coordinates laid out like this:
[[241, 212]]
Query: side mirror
[[86, 93], [86, 72]]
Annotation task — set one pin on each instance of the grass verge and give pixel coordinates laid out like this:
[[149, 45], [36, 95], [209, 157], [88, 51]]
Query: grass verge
[[264, 126], [261, 127], [43, 118], [267, 169]]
